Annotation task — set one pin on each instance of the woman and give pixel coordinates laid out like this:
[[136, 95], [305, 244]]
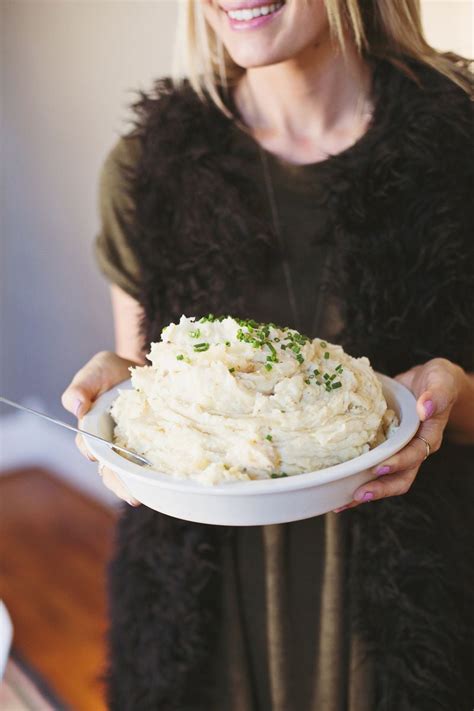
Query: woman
[[314, 170]]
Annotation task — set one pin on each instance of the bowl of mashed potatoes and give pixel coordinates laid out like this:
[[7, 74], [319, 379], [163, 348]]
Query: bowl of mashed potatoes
[[247, 423]]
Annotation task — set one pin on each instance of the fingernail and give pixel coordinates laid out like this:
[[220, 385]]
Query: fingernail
[[133, 502], [428, 407], [380, 471], [77, 407], [364, 496]]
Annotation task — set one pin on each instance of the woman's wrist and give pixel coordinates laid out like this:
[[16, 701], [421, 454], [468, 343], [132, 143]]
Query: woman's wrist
[[460, 427]]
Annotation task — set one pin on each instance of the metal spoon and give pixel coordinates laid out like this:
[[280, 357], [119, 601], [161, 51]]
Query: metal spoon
[[137, 458]]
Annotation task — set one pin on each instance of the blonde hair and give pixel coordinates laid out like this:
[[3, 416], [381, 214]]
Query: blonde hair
[[382, 29]]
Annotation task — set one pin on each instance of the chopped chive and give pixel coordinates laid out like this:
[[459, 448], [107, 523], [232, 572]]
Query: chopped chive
[[227, 343], [196, 333], [323, 344], [326, 355], [231, 370], [275, 475], [180, 357], [307, 381], [299, 358], [201, 347], [269, 437], [336, 385], [268, 366]]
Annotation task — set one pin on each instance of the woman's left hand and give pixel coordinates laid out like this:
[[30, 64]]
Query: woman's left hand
[[436, 386]]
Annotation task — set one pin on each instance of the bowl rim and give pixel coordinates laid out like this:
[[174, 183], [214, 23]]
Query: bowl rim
[[404, 402]]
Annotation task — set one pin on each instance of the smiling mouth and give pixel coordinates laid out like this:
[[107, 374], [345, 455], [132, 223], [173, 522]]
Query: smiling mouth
[[249, 11]]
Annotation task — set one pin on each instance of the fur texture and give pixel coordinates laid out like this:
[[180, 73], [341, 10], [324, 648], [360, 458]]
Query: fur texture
[[401, 220]]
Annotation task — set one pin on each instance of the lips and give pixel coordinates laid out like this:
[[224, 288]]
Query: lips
[[252, 13]]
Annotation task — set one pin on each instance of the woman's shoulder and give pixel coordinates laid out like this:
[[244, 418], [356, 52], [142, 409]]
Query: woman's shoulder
[[121, 160], [427, 93], [162, 111]]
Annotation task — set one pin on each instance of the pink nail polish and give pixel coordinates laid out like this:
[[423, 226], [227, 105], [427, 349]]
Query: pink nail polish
[[380, 471], [428, 407], [364, 496], [77, 407]]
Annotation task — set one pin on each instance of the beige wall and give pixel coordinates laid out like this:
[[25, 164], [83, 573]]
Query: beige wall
[[68, 71], [449, 25]]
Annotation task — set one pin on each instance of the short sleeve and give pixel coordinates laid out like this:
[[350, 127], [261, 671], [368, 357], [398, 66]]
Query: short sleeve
[[112, 247]]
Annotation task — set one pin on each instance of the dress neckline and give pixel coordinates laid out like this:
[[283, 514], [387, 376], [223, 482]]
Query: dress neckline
[[304, 172]]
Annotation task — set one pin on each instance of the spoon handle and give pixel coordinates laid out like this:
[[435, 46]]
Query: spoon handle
[[112, 446]]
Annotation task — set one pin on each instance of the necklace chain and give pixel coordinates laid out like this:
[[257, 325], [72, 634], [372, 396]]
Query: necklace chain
[[298, 322], [363, 108], [283, 250]]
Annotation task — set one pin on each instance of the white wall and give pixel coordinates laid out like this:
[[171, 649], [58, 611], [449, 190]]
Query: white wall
[[68, 71], [449, 25], [69, 68]]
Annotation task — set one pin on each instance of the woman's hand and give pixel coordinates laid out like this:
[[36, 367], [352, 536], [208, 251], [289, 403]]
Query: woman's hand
[[101, 373], [436, 385]]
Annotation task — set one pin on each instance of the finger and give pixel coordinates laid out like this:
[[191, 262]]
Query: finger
[[390, 485], [76, 399], [104, 370], [407, 377], [433, 430], [352, 505], [439, 389], [82, 447], [115, 484], [410, 456]]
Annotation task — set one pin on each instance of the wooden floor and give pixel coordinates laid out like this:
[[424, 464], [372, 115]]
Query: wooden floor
[[54, 544]]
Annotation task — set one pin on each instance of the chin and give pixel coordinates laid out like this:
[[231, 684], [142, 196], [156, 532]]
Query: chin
[[259, 33]]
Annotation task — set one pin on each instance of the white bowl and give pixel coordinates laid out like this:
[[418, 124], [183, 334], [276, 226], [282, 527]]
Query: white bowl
[[251, 503]]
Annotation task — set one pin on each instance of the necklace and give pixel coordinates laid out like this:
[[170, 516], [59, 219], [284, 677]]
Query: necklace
[[298, 320], [290, 288]]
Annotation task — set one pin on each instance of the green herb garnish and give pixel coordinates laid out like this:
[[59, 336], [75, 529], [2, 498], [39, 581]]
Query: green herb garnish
[[269, 437], [180, 357], [201, 347]]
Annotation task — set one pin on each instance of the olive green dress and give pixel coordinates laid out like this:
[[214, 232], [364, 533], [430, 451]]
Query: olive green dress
[[285, 641]]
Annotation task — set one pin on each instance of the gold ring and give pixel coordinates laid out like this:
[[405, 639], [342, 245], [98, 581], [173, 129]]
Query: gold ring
[[427, 445]]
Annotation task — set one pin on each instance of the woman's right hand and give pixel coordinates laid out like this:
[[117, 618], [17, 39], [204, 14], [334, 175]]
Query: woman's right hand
[[102, 372]]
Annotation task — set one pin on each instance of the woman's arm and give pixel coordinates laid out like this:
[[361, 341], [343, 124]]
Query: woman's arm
[[127, 314], [460, 428]]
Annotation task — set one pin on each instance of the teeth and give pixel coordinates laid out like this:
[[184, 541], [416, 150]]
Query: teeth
[[250, 13]]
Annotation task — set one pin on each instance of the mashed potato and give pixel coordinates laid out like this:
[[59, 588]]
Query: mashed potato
[[227, 400]]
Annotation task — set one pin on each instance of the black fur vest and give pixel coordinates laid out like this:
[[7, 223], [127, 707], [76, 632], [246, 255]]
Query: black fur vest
[[401, 209]]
